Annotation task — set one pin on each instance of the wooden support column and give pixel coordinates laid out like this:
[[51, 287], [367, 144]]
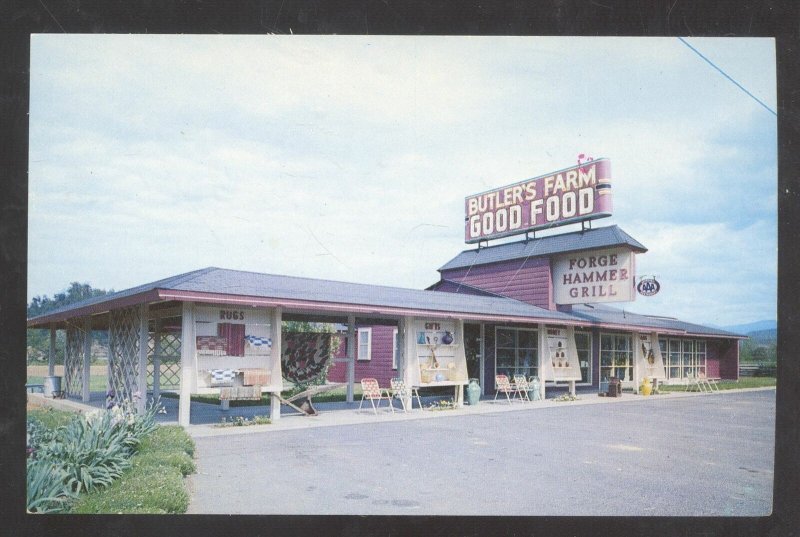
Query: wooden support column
[[482, 351], [187, 363], [51, 357], [351, 356], [542, 350], [87, 358], [276, 322], [403, 358], [461, 349], [144, 337], [157, 359]]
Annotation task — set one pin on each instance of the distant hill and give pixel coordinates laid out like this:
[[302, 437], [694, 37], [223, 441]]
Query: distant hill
[[752, 327], [764, 337]]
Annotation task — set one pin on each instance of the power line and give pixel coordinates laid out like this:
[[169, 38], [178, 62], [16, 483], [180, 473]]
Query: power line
[[728, 77]]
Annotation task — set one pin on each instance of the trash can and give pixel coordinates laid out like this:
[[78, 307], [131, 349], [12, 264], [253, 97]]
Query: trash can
[[52, 387], [614, 387]]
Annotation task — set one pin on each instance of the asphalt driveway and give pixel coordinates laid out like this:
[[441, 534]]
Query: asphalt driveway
[[661, 456]]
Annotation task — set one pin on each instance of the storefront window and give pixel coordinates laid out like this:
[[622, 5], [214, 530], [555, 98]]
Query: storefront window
[[616, 357], [516, 352], [583, 344], [686, 357]]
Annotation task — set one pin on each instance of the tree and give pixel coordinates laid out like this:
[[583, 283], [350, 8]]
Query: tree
[[38, 340]]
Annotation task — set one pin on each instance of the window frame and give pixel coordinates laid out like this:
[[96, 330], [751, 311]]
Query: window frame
[[588, 350], [533, 368], [359, 357], [616, 352]]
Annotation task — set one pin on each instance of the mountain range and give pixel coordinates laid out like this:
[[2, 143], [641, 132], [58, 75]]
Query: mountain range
[[758, 326]]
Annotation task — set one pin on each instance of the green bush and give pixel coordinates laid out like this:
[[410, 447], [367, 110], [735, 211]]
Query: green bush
[[49, 488], [92, 450]]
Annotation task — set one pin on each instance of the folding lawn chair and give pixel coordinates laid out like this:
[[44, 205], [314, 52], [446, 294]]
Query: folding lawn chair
[[371, 390], [399, 390], [502, 385]]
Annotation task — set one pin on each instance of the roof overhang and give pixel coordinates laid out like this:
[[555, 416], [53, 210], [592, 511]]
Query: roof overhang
[[348, 308], [44, 321]]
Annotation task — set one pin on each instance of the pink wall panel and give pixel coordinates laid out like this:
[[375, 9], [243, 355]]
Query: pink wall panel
[[712, 359], [527, 280], [729, 359], [379, 367]]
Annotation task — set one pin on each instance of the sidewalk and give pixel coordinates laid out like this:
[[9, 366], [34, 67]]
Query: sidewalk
[[207, 417]]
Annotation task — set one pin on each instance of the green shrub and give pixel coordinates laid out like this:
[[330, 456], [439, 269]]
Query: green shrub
[[92, 454], [92, 450], [49, 488]]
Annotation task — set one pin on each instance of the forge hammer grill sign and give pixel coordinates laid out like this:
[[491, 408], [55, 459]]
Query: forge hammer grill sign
[[604, 275]]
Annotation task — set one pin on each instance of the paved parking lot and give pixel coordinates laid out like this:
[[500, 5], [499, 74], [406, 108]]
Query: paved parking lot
[[661, 456]]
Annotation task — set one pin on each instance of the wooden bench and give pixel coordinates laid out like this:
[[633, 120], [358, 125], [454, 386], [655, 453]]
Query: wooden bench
[[32, 388]]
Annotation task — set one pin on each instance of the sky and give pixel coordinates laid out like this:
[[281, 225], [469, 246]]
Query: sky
[[349, 157]]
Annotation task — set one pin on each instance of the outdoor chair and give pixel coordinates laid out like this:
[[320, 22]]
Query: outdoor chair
[[399, 390], [709, 383], [502, 385], [371, 391], [521, 387], [696, 381]]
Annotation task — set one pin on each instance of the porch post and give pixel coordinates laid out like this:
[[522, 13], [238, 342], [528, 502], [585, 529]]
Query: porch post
[[157, 359], [51, 357], [482, 358], [351, 356], [275, 354], [187, 363], [87, 357], [141, 382], [542, 349], [403, 336]]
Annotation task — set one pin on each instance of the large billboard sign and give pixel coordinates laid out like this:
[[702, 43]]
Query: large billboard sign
[[582, 192], [605, 275]]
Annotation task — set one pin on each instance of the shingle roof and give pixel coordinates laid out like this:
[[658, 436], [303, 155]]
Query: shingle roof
[[252, 284], [603, 314], [603, 237], [224, 282]]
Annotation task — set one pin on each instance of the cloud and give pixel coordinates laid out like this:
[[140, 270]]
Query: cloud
[[349, 157]]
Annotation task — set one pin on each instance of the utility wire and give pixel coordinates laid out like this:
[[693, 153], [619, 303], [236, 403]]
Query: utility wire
[[728, 77]]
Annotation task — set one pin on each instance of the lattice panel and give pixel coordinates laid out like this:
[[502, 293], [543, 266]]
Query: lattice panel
[[123, 355], [73, 362], [170, 361]]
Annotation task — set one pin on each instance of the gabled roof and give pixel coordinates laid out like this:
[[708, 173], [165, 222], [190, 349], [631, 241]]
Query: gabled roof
[[216, 285], [603, 237]]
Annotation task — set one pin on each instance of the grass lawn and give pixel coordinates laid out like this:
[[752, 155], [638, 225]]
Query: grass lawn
[[155, 482], [744, 382]]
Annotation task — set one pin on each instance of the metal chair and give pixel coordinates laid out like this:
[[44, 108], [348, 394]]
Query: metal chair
[[399, 390], [502, 385], [521, 387], [371, 390]]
